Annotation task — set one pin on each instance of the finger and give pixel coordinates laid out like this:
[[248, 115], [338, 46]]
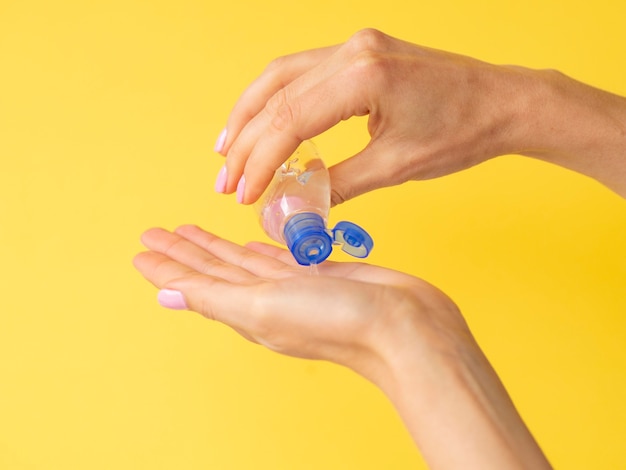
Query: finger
[[327, 268], [355, 271], [284, 71], [273, 252], [278, 112], [210, 296], [289, 119], [160, 269], [189, 254], [286, 257], [253, 262], [278, 74], [376, 166]]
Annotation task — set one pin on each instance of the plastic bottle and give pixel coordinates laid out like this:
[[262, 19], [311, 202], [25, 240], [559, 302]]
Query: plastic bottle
[[294, 211]]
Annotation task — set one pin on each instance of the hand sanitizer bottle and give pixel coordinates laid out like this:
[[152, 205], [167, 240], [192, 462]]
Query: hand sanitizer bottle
[[294, 211]]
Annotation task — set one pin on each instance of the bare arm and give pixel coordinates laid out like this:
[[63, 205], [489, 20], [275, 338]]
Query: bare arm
[[578, 127], [398, 331], [430, 113]]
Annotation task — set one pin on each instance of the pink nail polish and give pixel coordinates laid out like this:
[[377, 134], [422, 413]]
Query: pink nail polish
[[241, 189], [222, 179], [173, 299], [221, 140]]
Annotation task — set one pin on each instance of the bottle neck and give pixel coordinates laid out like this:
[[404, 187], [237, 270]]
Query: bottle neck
[[307, 239]]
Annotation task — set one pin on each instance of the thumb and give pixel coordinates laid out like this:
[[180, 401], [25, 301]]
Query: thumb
[[372, 168]]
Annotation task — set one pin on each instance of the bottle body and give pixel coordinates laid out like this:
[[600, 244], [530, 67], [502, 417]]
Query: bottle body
[[300, 185], [295, 207]]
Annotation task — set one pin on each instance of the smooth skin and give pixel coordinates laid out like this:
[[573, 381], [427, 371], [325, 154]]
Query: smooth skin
[[398, 331], [430, 113]]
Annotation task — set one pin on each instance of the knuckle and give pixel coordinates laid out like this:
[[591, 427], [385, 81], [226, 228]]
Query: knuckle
[[206, 308], [369, 58], [235, 152], [368, 61], [277, 101], [173, 246], [371, 68], [337, 197], [282, 110], [208, 265], [368, 39], [157, 269], [276, 66], [248, 260]]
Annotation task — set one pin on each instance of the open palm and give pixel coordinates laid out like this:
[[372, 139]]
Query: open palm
[[260, 291]]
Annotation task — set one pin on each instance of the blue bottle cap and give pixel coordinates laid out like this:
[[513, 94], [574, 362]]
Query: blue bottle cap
[[311, 243], [307, 238]]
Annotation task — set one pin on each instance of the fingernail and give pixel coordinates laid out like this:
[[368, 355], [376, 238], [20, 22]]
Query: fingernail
[[241, 188], [221, 140], [222, 178], [173, 299]]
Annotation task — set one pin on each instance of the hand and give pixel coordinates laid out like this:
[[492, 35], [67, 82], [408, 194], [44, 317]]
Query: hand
[[262, 293], [430, 113], [396, 330]]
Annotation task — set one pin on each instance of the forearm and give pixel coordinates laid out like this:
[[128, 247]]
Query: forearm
[[468, 420], [575, 126], [453, 403]]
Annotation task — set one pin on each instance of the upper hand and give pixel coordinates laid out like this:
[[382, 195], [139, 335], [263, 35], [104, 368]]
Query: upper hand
[[429, 113]]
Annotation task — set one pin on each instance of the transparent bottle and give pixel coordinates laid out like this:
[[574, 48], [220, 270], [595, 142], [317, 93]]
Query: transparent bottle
[[294, 211]]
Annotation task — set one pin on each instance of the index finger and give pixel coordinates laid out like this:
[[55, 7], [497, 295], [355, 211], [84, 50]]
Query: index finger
[[277, 75], [290, 117]]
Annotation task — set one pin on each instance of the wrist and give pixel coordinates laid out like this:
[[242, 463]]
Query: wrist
[[445, 390], [574, 125], [419, 339]]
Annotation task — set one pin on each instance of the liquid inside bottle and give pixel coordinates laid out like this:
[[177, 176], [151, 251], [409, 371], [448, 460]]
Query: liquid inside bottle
[[294, 211], [300, 185]]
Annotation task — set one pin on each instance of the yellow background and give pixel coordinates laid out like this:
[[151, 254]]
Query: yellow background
[[109, 111]]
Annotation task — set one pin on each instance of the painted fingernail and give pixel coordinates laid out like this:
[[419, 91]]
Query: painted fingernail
[[222, 178], [221, 140], [173, 299], [241, 189]]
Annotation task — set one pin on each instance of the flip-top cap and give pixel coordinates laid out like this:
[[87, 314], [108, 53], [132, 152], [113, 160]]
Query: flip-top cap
[[353, 239], [310, 242]]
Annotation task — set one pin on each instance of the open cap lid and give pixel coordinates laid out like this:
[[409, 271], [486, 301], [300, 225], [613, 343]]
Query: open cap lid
[[310, 242], [353, 239]]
